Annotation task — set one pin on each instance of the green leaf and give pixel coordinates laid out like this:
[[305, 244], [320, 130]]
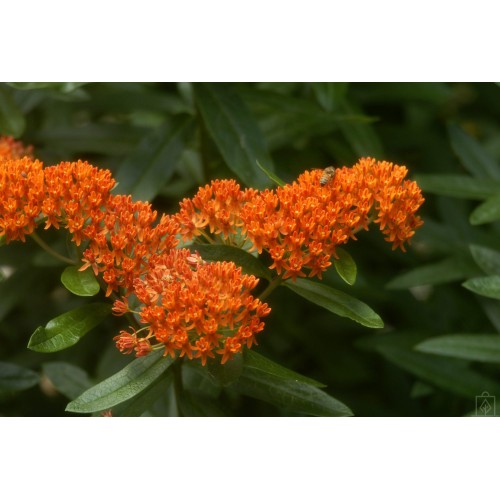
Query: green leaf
[[82, 283], [105, 138], [289, 391], [488, 211], [345, 266], [234, 131], [271, 175], [145, 400], [336, 302], [122, 386], [329, 94], [448, 374], [68, 328], [488, 286], [486, 258], [361, 136], [12, 121], [16, 378], [259, 363], [68, 379], [152, 164], [226, 253], [472, 155], [226, 373], [475, 347], [458, 186], [65, 87], [444, 271]]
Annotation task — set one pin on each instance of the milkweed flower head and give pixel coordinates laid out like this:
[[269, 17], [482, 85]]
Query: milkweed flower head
[[193, 308], [10, 149], [301, 224], [215, 208]]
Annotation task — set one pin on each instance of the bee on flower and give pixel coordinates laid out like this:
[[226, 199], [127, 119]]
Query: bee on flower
[[327, 176]]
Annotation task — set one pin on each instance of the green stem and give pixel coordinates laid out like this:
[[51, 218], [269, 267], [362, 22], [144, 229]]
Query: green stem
[[272, 285], [51, 251]]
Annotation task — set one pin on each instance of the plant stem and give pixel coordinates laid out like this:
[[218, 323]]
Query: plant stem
[[51, 251], [272, 285]]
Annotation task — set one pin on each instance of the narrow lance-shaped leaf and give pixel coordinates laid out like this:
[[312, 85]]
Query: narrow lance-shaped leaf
[[458, 186], [488, 211], [475, 347], [472, 155], [337, 302], [271, 175], [68, 328], [234, 131], [151, 165], [486, 258], [122, 386], [12, 121], [488, 286], [82, 283], [262, 379]]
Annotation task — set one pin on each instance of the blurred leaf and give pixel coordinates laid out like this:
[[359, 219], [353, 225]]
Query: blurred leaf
[[68, 328], [235, 132], [15, 288], [444, 271], [68, 379], [488, 211], [64, 87], [285, 119], [435, 93], [345, 266], [12, 121], [122, 386], [329, 94], [271, 175], [448, 374], [82, 283], [488, 286], [226, 373], [226, 253], [472, 155], [486, 258], [111, 139], [196, 405], [152, 164], [475, 347], [336, 302], [289, 392], [16, 378], [361, 136], [458, 186]]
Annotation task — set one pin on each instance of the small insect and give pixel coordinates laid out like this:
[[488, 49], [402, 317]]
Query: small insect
[[328, 175]]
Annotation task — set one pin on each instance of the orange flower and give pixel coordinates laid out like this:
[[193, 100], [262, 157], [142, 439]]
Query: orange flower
[[216, 206], [301, 224], [196, 311], [21, 197], [11, 149]]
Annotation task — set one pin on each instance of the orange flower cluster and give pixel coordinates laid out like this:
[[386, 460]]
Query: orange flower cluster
[[301, 224], [11, 149], [216, 206], [193, 307]]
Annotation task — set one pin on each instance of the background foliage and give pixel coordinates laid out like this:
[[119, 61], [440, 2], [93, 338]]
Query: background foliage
[[440, 346]]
